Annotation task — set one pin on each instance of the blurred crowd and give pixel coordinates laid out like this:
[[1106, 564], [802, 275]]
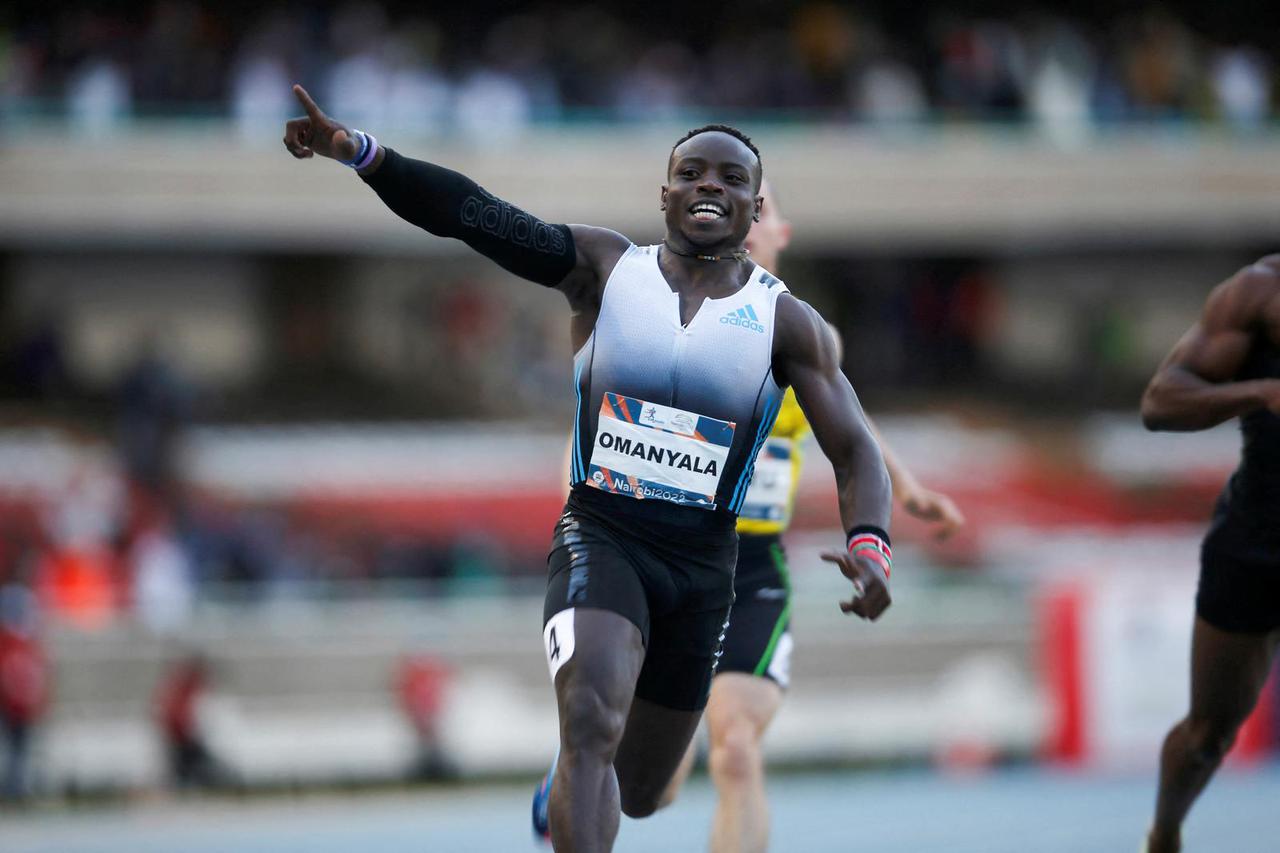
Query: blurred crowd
[[101, 523], [477, 68]]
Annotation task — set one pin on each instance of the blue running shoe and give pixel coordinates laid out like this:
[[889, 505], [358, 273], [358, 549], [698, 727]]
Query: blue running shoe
[[541, 798]]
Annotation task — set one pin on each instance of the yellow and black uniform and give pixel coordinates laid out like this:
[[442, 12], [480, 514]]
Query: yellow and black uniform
[[758, 640]]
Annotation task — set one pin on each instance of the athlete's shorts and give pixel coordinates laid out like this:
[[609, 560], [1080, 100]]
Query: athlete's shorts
[[758, 641], [1240, 573], [675, 585]]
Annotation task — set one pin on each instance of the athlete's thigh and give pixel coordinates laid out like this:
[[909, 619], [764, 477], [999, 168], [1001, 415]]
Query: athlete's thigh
[[601, 655], [681, 658], [1228, 671], [653, 745], [737, 698], [595, 619], [589, 567], [671, 693]]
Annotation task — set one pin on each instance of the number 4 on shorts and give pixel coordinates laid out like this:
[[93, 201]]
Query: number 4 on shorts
[[557, 641]]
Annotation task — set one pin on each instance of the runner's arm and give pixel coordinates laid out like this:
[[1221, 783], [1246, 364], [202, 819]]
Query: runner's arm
[[449, 204], [1193, 388], [806, 357]]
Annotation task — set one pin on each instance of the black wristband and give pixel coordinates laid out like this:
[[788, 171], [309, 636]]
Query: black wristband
[[859, 529], [449, 204]]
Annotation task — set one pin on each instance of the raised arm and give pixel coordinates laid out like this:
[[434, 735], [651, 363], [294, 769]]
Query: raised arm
[[573, 259], [1194, 387], [806, 357]]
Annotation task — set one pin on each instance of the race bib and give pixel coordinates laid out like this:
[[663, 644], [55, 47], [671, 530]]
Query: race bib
[[769, 494], [652, 452]]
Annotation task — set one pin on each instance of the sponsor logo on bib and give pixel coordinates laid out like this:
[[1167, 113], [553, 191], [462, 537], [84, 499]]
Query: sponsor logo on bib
[[653, 452]]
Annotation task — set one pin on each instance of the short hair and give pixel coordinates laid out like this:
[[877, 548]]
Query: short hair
[[721, 128]]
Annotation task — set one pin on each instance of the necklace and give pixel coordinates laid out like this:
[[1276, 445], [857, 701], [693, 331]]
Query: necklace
[[740, 255]]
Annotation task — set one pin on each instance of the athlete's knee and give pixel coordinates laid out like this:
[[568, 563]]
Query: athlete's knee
[[1209, 739], [638, 802], [643, 796], [590, 723], [642, 793], [735, 753]]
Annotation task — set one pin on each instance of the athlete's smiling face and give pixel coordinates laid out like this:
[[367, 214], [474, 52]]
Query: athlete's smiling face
[[712, 191]]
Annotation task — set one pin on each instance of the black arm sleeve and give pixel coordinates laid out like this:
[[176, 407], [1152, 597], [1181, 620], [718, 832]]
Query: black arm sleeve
[[449, 204]]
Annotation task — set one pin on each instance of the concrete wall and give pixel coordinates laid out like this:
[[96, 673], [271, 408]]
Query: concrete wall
[[948, 188]]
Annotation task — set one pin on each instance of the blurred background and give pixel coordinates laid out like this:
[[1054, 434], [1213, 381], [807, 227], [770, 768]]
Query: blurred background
[[250, 535]]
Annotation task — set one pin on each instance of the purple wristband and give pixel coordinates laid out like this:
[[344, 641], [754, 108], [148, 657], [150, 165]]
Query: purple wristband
[[369, 154]]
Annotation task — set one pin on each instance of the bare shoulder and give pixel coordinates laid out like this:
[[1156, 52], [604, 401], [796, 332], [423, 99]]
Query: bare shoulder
[[597, 251], [1264, 281], [601, 247], [1250, 295], [801, 336], [797, 323]]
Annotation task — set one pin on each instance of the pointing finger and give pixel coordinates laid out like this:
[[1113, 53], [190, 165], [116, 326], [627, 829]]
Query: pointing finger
[[307, 104]]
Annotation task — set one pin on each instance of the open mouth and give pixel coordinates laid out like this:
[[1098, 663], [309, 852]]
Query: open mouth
[[708, 211]]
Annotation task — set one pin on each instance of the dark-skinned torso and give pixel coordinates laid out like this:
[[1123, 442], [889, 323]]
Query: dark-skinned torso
[[1255, 487]]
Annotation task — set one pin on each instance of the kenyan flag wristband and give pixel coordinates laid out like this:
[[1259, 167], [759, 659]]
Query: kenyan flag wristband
[[872, 543]]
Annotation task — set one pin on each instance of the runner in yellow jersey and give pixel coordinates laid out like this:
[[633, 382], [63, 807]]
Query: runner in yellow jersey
[[754, 668]]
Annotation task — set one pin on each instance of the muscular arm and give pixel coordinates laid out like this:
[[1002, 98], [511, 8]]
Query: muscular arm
[[806, 357], [449, 204], [1193, 388], [574, 259]]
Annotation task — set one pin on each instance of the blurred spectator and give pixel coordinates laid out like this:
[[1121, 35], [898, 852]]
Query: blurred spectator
[[24, 683], [420, 95], [76, 575], [512, 87], [97, 51], [178, 701], [38, 362], [360, 78], [154, 409], [983, 71], [491, 106], [1159, 64], [825, 41], [163, 575], [1241, 79], [179, 57], [494, 74], [890, 92], [422, 684], [265, 67], [1062, 79], [659, 86]]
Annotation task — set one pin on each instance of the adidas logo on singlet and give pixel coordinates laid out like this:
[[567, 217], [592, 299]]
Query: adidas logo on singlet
[[744, 317]]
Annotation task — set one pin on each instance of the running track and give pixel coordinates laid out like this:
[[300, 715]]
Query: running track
[[1018, 811]]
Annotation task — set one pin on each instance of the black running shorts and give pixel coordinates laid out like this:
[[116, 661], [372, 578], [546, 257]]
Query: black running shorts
[[675, 585], [758, 641], [1240, 572]]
